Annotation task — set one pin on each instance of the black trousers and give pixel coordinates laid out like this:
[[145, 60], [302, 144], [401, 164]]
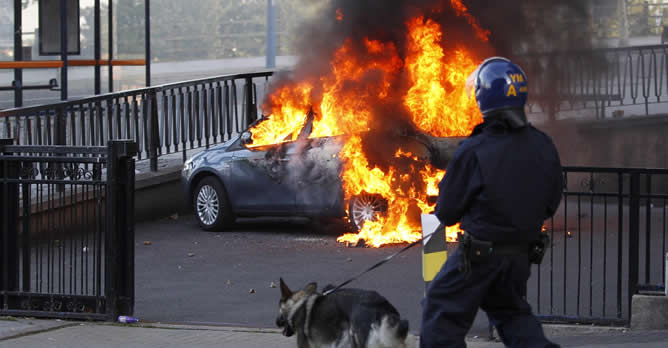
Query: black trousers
[[498, 287]]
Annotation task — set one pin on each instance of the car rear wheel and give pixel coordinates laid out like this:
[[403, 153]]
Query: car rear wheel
[[365, 207], [212, 209]]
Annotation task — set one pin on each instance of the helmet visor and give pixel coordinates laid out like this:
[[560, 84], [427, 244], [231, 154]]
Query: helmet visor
[[472, 83]]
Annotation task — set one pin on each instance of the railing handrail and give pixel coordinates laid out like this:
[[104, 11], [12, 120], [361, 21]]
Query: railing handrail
[[598, 50], [133, 92], [629, 170], [54, 149]]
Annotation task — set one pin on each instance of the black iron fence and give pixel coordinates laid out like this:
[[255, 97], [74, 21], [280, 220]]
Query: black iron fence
[[609, 242], [616, 78], [183, 116], [162, 120], [67, 229]]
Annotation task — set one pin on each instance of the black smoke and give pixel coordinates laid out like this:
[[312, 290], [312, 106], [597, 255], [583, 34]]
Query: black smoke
[[517, 27], [526, 31]]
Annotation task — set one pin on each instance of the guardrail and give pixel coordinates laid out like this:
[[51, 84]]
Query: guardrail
[[608, 243], [162, 119]]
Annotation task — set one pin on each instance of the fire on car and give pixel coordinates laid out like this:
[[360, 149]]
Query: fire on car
[[367, 139]]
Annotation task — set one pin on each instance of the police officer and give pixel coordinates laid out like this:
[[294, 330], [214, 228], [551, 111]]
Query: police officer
[[502, 183]]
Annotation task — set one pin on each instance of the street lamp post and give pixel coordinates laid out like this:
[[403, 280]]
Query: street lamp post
[[271, 35]]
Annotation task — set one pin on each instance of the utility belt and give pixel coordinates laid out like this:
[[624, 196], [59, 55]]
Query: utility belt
[[476, 251]]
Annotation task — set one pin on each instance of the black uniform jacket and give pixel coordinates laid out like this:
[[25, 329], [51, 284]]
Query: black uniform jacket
[[502, 183]]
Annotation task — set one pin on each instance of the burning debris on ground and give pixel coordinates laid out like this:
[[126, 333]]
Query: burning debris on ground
[[375, 71]]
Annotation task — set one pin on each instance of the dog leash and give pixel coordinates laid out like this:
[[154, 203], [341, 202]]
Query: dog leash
[[384, 261]]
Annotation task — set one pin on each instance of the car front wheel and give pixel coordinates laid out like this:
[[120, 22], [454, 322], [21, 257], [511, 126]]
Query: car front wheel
[[212, 208], [365, 207]]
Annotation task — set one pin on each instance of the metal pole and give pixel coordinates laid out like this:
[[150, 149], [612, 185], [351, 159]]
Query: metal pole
[[634, 237], [111, 46], [6, 221], [120, 227], [147, 34], [63, 49], [251, 107], [271, 35], [98, 48], [18, 53], [154, 131]]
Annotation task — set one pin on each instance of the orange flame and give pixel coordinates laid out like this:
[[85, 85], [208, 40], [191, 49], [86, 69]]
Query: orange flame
[[288, 105], [438, 100], [345, 109], [431, 87]]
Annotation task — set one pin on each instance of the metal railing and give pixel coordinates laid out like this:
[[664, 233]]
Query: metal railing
[[164, 119], [599, 80], [188, 115], [608, 243], [67, 230]]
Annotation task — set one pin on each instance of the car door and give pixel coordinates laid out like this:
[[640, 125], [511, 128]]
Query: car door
[[258, 182], [320, 191]]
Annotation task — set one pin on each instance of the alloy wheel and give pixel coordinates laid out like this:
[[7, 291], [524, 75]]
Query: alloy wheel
[[208, 205], [366, 208]]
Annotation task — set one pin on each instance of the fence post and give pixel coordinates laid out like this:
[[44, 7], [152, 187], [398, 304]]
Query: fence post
[[60, 136], [119, 248], [154, 131], [665, 279], [9, 262], [634, 237], [251, 108]]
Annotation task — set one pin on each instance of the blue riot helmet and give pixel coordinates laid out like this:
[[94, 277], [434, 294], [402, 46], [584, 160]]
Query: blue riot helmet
[[499, 84]]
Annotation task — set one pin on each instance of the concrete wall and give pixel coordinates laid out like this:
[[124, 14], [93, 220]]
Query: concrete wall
[[639, 141], [160, 194]]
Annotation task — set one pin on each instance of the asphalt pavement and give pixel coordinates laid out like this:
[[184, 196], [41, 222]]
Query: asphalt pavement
[[187, 275]]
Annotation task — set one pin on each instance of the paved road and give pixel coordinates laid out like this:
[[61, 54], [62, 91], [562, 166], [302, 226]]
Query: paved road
[[187, 275]]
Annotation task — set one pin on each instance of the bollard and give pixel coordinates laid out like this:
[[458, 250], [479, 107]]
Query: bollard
[[434, 251]]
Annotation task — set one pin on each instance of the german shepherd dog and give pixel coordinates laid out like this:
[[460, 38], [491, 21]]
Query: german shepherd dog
[[344, 318]]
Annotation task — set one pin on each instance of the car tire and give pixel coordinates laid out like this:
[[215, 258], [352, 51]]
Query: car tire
[[211, 206], [365, 207]]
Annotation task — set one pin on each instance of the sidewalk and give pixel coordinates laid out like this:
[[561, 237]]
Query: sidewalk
[[57, 333]]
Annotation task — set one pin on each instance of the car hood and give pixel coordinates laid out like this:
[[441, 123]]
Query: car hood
[[222, 146]]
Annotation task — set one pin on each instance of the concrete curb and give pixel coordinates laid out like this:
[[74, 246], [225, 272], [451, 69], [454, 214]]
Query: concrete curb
[[11, 328]]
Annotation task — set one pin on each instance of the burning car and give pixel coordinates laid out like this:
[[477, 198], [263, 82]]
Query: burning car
[[292, 178], [360, 128]]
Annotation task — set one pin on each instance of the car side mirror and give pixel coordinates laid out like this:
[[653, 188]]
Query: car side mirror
[[246, 138]]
